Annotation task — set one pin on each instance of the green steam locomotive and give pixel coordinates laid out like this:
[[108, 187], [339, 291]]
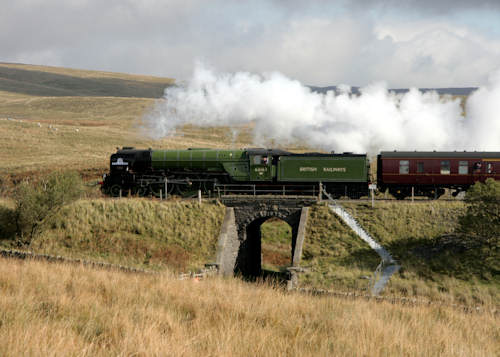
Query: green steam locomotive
[[184, 172]]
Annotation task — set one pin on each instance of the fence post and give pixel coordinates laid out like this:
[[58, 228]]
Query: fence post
[[412, 194], [199, 197], [166, 188], [320, 192], [161, 194], [120, 193], [254, 190], [373, 197]]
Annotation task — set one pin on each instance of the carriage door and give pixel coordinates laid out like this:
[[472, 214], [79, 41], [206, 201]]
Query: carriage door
[[260, 168]]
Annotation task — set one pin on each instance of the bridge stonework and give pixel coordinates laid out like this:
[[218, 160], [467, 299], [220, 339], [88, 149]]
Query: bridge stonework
[[239, 247]]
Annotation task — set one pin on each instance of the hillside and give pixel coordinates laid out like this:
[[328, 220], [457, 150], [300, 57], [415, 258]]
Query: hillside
[[53, 118], [56, 82], [181, 236]]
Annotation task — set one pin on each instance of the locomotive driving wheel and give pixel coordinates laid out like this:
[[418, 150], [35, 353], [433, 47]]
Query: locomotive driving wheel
[[190, 187]]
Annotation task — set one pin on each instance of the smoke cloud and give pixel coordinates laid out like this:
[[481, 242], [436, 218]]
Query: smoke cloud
[[285, 112]]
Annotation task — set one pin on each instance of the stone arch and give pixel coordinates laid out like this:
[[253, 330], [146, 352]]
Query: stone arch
[[239, 245]]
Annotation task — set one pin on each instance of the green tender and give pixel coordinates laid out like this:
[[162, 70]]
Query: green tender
[[353, 168]]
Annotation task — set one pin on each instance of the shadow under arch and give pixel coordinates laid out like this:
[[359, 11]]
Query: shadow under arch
[[249, 258]]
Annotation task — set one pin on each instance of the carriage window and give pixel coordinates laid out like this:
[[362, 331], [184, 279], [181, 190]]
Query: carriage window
[[420, 167], [257, 159], [463, 167], [404, 167], [445, 167]]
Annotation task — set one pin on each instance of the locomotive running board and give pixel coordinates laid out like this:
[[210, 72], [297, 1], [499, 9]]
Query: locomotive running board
[[387, 267]]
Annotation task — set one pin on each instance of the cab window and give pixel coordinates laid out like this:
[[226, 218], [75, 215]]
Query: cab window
[[257, 159]]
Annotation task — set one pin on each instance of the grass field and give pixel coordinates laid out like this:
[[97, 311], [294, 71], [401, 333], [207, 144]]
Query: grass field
[[53, 309]]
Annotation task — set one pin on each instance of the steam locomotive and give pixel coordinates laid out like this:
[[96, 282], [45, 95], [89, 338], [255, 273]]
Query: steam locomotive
[[156, 172]]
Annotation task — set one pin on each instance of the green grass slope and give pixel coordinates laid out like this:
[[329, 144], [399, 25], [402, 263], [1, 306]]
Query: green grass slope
[[135, 232]]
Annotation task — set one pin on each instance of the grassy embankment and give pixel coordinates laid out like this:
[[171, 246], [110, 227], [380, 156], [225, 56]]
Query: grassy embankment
[[53, 309], [180, 236], [134, 232]]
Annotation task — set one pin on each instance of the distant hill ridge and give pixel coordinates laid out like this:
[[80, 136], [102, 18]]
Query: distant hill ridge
[[59, 82], [465, 91]]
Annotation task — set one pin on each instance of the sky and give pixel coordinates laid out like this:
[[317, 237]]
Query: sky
[[412, 43]]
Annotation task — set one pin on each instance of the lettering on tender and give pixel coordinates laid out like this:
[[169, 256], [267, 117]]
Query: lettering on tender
[[334, 169]]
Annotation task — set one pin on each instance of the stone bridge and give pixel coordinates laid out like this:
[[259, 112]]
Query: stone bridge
[[239, 247]]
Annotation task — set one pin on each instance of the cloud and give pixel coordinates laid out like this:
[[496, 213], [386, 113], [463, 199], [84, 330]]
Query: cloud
[[426, 6], [318, 43]]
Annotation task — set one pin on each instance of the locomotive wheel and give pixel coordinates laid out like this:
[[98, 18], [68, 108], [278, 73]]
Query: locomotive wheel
[[114, 191], [190, 189]]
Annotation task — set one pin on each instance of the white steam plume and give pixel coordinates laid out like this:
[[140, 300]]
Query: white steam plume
[[287, 112]]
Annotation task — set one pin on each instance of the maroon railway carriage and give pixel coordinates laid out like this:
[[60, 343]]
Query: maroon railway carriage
[[429, 173]]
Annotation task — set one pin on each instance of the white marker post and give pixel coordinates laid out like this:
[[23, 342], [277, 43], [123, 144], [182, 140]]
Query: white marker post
[[372, 188]]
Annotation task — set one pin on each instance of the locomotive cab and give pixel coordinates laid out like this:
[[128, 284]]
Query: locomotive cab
[[261, 168]]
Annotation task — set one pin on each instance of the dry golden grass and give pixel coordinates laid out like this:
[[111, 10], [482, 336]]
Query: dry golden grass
[[53, 309], [88, 130]]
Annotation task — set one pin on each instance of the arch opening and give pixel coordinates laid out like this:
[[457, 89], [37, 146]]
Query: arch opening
[[276, 245], [266, 250]]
